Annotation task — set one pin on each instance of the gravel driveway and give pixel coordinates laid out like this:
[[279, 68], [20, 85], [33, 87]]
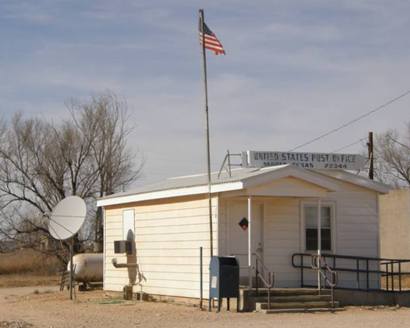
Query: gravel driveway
[[47, 308]]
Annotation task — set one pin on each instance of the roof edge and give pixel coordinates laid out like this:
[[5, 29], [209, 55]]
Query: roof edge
[[170, 193], [359, 181]]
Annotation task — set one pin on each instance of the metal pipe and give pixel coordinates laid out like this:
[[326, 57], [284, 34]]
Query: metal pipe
[[319, 240], [123, 265], [392, 276], [200, 278], [387, 276], [250, 240], [367, 274], [400, 276], [71, 268]]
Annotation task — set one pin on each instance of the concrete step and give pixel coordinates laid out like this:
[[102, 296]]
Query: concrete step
[[272, 311], [287, 292], [293, 298], [295, 305]]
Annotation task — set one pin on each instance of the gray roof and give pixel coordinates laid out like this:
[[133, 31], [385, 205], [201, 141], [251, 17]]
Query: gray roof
[[242, 175], [238, 174]]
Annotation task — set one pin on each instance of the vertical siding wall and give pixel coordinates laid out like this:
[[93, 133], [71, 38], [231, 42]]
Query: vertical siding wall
[[168, 235]]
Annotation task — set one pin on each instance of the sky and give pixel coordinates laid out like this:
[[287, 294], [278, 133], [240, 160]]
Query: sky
[[293, 70]]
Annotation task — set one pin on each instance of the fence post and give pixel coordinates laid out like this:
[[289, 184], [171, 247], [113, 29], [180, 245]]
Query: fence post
[[200, 278], [392, 275], [367, 274], [399, 275]]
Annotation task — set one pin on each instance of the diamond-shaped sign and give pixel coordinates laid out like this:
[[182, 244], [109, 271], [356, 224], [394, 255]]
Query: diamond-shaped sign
[[244, 223]]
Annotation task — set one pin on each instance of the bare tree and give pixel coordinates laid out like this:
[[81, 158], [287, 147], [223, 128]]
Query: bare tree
[[42, 162], [392, 153]]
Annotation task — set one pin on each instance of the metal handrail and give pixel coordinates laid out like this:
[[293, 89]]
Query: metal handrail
[[271, 278], [318, 263], [360, 265], [269, 283]]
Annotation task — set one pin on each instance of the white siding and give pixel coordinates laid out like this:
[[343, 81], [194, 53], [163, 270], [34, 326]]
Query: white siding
[[355, 232], [168, 235], [282, 239]]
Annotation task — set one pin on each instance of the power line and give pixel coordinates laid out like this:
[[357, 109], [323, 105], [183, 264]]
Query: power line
[[349, 145], [398, 142], [353, 120]]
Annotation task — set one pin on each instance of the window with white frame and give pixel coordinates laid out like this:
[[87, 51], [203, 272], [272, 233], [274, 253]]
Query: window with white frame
[[311, 227]]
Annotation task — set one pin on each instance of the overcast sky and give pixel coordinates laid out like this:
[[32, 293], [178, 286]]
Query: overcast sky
[[292, 71]]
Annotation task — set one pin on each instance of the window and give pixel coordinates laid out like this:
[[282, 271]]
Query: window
[[310, 217]]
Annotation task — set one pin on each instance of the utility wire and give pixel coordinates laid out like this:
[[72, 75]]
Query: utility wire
[[349, 145], [398, 142], [391, 101]]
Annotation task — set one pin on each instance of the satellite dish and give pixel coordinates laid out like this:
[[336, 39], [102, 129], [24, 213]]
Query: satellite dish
[[67, 217]]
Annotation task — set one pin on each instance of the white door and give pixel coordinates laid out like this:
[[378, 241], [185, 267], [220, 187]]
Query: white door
[[238, 232]]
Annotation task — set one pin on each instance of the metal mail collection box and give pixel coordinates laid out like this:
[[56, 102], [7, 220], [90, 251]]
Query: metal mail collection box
[[224, 278]]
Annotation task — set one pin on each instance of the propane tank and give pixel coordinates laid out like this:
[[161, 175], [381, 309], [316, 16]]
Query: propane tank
[[88, 267]]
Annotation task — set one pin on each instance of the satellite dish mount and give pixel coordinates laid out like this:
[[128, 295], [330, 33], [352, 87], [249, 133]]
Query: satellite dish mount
[[65, 221]]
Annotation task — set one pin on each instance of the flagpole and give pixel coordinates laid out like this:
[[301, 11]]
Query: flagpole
[[208, 151]]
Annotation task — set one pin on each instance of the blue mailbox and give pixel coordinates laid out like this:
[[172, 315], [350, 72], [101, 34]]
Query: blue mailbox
[[223, 279]]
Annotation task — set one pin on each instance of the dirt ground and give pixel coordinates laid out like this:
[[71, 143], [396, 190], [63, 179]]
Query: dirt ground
[[45, 307]]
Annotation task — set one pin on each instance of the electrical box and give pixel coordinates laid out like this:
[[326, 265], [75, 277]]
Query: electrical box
[[122, 246]]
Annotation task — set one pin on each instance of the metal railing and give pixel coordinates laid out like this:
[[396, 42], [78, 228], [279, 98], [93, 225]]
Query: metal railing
[[260, 274], [318, 263], [363, 267]]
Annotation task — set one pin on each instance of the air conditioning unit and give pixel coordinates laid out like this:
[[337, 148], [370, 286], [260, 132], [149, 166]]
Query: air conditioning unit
[[122, 246]]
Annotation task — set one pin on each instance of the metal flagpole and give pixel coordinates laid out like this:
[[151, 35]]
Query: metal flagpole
[[208, 152], [319, 241]]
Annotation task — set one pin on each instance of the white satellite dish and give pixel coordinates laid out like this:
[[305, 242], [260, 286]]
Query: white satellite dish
[[67, 217]]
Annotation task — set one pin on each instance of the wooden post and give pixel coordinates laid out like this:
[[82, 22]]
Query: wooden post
[[371, 155], [71, 267]]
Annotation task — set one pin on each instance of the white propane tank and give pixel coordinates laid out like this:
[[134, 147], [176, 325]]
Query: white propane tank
[[88, 267]]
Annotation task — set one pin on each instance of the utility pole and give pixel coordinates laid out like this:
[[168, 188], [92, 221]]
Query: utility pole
[[370, 153]]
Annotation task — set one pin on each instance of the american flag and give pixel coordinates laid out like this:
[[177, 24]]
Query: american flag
[[211, 41]]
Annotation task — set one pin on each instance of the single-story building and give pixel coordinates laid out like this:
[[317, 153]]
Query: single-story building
[[269, 211]]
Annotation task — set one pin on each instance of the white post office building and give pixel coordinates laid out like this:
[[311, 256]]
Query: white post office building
[[266, 212]]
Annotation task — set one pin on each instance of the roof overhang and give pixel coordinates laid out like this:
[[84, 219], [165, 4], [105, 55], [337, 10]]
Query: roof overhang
[[265, 176], [179, 192], [358, 181], [323, 183]]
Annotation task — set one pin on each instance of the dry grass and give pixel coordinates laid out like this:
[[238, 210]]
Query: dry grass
[[28, 280], [405, 282], [28, 261]]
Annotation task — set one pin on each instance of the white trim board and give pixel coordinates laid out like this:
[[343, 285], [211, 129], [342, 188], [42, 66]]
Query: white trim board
[[169, 194]]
